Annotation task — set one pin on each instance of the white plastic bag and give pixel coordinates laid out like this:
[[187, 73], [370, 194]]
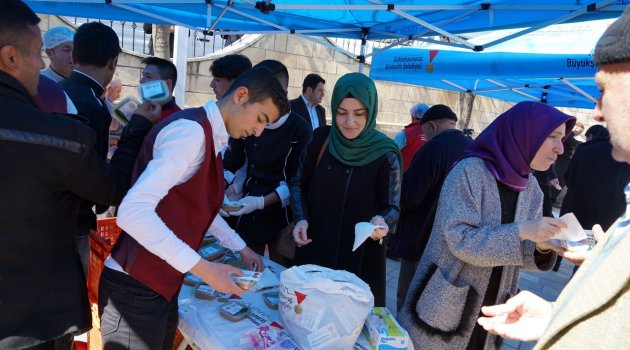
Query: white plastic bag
[[322, 308]]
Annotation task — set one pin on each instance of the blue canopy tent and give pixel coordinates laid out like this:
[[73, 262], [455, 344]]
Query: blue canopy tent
[[564, 80], [553, 65], [402, 20]]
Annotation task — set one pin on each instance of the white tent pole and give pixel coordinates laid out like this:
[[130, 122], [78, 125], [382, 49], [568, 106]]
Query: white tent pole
[[581, 11], [511, 89], [415, 36], [434, 28], [582, 92], [329, 45], [180, 52], [225, 9]]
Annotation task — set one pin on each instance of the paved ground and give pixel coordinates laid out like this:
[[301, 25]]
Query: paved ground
[[545, 284]]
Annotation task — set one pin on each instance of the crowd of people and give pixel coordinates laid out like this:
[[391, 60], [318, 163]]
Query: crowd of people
[[463, 216]]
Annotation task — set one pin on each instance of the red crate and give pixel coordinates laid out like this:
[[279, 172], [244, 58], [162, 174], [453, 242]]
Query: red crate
[[101, 243]]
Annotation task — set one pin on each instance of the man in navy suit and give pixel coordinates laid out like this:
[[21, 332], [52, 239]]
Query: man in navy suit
[[307, 105]]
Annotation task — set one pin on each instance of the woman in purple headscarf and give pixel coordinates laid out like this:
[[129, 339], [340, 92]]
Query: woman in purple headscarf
[[488, 226]]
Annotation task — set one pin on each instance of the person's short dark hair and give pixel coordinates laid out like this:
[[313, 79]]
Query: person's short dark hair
[[230, 66], [261, 84], [166, 68], [277, 68], [15, 19], [311, 81], [95, 44], [597, 133]]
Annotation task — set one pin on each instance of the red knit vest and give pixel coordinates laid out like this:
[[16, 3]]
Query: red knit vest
[[188, 210], [415, 140], [166, 112]]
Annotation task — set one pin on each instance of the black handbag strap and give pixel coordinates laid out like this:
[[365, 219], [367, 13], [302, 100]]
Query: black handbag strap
[[321, 151]]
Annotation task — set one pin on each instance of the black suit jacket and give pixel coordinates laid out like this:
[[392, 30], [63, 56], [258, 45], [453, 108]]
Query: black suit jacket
[[48, 164], [86, 94], [298, 106]]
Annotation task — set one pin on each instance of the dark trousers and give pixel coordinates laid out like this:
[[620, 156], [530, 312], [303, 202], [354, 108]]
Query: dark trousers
[[62, 343], [134, 316], [259, 248], [407, 270]]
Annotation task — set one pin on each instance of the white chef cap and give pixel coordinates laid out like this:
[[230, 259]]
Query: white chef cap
[[56, 36]]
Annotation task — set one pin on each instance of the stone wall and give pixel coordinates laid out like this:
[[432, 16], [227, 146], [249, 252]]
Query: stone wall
[[302, 57]]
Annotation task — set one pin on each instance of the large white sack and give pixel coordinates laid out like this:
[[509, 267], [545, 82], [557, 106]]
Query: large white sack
[[323, 308]]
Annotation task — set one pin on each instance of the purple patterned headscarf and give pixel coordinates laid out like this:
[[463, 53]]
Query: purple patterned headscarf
[[508, 145]]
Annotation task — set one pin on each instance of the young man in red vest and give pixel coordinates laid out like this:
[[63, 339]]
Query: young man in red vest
[[176, 195], [411, 138]]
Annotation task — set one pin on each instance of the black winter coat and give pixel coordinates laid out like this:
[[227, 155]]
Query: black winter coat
[[48, 164], [333, 198], [595, 185], [420, 192], [271, 158], [86, 94]]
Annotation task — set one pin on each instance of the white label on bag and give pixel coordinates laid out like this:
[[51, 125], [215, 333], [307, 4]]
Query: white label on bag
[[323, 336], [345, 318], [312, 316]]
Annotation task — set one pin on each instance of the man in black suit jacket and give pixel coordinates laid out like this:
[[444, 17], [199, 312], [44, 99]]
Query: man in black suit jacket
[[95, 55], [307, 105]]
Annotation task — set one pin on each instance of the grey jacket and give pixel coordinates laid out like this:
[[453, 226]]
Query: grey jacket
[[467, 241]]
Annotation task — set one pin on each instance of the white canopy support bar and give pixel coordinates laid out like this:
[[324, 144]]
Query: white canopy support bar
[[582, 10], [153, 15], [416, 36], [454, 85], [513, 89], [576, 88], [327, 44], [208, 15], [434, 28], [225, 9]]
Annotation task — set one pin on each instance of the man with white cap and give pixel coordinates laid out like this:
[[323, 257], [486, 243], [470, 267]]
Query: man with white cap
[[411, 138], [58, 46]]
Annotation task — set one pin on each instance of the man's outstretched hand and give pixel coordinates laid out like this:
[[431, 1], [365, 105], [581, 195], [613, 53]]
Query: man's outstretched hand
[[523, 317]]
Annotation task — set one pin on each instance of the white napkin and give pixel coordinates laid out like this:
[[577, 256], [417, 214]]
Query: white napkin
[[574, 231], [362, 231]]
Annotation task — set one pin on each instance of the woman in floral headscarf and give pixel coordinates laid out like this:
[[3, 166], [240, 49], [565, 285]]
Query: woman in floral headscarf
[[488, 226], [350, 173]]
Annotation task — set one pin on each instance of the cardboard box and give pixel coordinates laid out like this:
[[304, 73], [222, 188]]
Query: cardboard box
[[383, 332]]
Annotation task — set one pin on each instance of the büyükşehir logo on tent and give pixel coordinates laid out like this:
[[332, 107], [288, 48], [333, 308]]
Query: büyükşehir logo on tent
[[431, 66]]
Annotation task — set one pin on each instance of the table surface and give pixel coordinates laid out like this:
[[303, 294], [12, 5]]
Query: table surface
[[204, 328]]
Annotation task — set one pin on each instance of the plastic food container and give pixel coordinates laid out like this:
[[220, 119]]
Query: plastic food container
[[155, 90], [211, 252], [271, 299], [234, 311], [208, 240], [191, 280], [248, 280], [204, 291]]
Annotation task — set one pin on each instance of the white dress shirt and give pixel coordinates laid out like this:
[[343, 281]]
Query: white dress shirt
[[312, 111], [178, 152]]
